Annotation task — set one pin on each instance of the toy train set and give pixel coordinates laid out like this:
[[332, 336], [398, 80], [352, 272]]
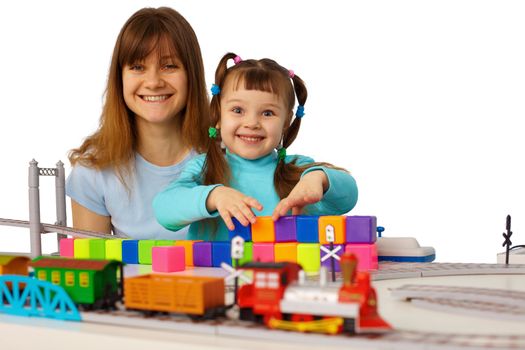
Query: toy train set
[[278, 296]]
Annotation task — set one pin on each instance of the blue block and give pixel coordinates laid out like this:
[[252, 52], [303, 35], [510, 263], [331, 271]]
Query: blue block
[[130, 251], [307, 228], [221, 252], [240, 230]]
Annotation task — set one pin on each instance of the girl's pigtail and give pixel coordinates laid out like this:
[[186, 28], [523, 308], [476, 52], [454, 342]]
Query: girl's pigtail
[[216, 170], [288, 174]]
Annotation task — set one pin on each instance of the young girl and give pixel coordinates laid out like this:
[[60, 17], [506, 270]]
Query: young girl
[[252, 106], [153, 122]]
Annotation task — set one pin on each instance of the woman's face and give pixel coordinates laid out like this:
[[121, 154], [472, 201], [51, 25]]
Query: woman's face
[[156, 90]]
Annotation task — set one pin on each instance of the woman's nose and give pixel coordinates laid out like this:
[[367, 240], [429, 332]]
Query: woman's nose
[[153, 79]]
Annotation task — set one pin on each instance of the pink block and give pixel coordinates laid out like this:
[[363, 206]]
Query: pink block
[[366, 255], [67, 247], [168, 259], [263, 252]]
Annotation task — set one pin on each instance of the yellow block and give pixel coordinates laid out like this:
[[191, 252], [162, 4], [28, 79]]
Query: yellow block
[[285, 252]]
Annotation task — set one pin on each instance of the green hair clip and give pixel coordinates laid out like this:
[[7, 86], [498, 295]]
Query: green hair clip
[[212, 132], [281, 154]]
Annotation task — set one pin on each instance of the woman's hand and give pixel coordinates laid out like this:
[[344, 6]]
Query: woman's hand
[[232, 203], [309, 190]]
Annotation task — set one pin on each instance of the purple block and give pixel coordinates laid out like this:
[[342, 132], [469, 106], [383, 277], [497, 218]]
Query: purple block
[[202, 254], [361, 229], [327, 262], [285, 229]]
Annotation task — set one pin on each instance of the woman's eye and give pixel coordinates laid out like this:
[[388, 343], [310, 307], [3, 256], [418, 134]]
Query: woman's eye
[[136, 67], [268, 113], [170, 66]]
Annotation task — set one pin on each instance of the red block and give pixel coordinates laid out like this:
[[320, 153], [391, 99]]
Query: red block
[[168, 259]]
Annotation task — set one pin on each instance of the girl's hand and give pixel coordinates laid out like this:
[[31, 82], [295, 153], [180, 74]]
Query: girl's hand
[[308, 190], [232, 203]]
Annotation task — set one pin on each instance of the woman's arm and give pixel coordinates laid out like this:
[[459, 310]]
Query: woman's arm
[[85, 219]]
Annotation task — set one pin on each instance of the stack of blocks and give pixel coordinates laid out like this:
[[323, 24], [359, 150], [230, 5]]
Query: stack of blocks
[[300, 239]]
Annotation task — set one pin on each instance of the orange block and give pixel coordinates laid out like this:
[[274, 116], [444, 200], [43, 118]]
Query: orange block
[[338, 223], [263, 231], [188, 251], [285, 252]]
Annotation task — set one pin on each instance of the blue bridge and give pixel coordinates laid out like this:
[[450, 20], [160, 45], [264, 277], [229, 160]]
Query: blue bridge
[[27, 296]]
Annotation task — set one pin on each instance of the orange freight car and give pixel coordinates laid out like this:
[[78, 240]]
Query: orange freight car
[[193, 295]]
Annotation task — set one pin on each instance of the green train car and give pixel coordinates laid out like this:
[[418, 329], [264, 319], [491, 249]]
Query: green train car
[[91, 284]]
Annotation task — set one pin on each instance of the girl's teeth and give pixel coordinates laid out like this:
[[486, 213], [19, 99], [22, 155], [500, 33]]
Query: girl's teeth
[[251, 139]]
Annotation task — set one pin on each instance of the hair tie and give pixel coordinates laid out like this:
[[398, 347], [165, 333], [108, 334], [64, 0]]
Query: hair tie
[[212, 132], [291, 74], [215, 89], [237, 59], [281, 154], [300, 111]]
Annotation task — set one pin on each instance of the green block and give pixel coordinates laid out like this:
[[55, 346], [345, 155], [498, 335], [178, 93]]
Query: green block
[[114, 249], [145, 246], [164, 242], [248, 254], [97, 248], [309, 256], [81, 248]]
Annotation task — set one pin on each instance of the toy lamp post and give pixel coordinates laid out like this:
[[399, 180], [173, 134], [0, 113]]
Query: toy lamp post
[[330, 237], [237, 252]]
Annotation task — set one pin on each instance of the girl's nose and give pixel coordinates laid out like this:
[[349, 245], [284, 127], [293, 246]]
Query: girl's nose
[[251, 121], [153, 79]]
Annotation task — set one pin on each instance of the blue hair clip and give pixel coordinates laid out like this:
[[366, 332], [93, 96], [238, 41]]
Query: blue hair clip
[[215, 89], [300, 111]]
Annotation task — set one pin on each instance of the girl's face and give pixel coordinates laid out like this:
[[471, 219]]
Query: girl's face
[[156, 91], [252, 121]]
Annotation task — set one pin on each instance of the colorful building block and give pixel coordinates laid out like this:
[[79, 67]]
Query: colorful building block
[[285, 252], [339, 227], [263, 252], [327, 262], [221, 252], [188, 249], [130, 251], [164, 242], [248, 254], [89, 248], [244, 231], [67, 247], [285, 229], [309, 256], [202, 254], [366, 255], [307, 228], [361, 229], [114, 249], [145, 246], [168, 258], [263, 231]]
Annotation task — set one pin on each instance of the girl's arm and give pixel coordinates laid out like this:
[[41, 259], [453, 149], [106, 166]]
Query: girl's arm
[[85, 219], [322, 190]]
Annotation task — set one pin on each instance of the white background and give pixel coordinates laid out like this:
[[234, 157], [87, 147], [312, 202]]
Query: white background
[[420, 100]]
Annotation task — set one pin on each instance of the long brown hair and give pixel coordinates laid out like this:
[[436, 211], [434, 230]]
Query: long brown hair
[[263, 75], [114, 143]]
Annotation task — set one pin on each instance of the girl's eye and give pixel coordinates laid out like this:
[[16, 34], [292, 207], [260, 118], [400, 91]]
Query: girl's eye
[[236, 110], [268, 113]]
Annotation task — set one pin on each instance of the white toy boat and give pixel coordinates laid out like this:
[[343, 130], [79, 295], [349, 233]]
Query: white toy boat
[[403, 249]]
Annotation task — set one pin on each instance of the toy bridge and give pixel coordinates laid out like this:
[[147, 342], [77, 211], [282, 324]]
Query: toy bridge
[[26, 296]]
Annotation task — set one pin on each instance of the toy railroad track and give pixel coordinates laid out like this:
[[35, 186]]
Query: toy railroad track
[[232, 328], [391, 270], [48, 228], [487, 302]]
